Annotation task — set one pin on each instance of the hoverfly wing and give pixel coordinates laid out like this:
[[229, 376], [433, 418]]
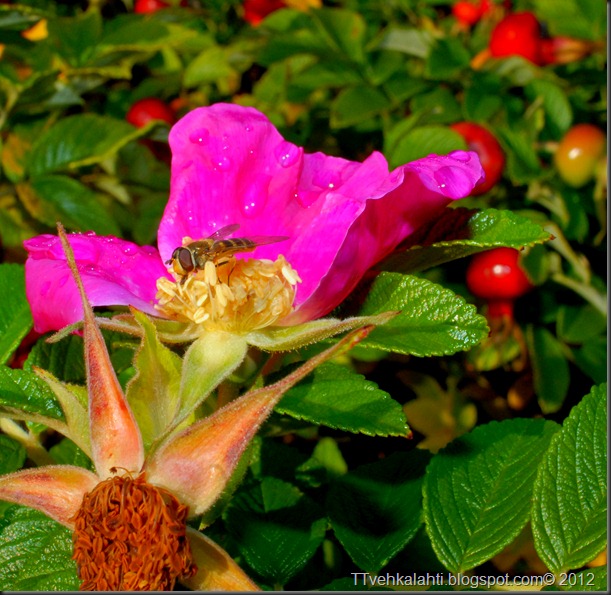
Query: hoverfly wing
[[263, 240], [224, 232]]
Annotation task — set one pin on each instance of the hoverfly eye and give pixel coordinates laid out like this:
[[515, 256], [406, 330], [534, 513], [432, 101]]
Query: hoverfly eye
[[185, 259]]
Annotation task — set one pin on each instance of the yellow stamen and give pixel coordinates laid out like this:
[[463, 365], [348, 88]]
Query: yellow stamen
[[131, 536], [235, 296]]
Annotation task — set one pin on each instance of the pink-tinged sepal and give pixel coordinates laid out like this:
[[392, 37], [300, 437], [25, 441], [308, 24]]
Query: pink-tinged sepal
[[115, 437], [57, 491], [217, 569], [196, 464]]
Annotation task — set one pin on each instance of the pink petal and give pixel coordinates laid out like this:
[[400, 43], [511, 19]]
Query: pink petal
[[114, 272], [55, 490], [230, 165]]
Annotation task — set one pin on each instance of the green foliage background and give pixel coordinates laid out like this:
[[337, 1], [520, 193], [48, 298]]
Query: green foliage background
[[332, 486]]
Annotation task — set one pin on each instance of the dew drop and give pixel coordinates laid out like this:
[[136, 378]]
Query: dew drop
[[307, 198], [129, 250], [223, 163], [89, 234], [327, 179], [453, 180], [200, 136], [254, 200], [287, 153], [460, 156]]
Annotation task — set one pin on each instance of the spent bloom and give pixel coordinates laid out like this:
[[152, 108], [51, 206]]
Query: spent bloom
[[129, 516], [231, 167]]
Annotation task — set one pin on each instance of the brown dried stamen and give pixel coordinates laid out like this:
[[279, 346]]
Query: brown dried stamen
[[131, 536]]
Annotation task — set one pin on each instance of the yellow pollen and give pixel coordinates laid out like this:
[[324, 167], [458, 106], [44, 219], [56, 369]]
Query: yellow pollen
[[236, 296], [131, 536]]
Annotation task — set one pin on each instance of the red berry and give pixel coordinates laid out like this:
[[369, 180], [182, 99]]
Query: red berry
[[467, 13], [148, 6], [147, 109], [518, 34], [578, 154], [492, 157], [256, 10], [496, 276]]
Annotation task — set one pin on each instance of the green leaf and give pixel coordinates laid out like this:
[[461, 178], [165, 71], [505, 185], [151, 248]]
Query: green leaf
[[76, 37], [523, 164], [376, 509], [63, 359], [423, 141], [76, 141], [461, 232], [338, 397], [550, 368], [433, 320], [343, 31], [570, 494], [52, 198], [22, 390], [276, 527], [579, 324], [210, 66], [592, 358], [413, 42], [326, 463], [558, 112], [591, 579], [478, 490], [153, 393], [35, 553], [15, 315], [584, 19], [12, 455], [356, 104], [447, 58], [68, 453]]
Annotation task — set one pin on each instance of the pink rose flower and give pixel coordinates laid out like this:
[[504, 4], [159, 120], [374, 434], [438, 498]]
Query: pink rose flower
[[231, 166]]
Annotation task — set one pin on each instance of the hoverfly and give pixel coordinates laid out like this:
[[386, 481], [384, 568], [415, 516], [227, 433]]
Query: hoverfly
[[217, 248]]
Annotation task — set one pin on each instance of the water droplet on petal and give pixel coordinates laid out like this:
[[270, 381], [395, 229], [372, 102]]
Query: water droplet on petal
[[287, 153], [223, 163], [89, 234], [200, 136], [129, 250], [453, 180], [460, 156], [248, 128], [254, 199], [306, 198], [327, 179]]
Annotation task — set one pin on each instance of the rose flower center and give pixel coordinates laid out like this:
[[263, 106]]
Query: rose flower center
[[131, 536], [237, 296]]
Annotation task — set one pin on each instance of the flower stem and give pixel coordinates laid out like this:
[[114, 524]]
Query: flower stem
[[34, 449]]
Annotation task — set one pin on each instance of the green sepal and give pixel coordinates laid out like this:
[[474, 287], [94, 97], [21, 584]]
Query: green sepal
[[293, 337], [208, 361], [154, 392], [73, 400]]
